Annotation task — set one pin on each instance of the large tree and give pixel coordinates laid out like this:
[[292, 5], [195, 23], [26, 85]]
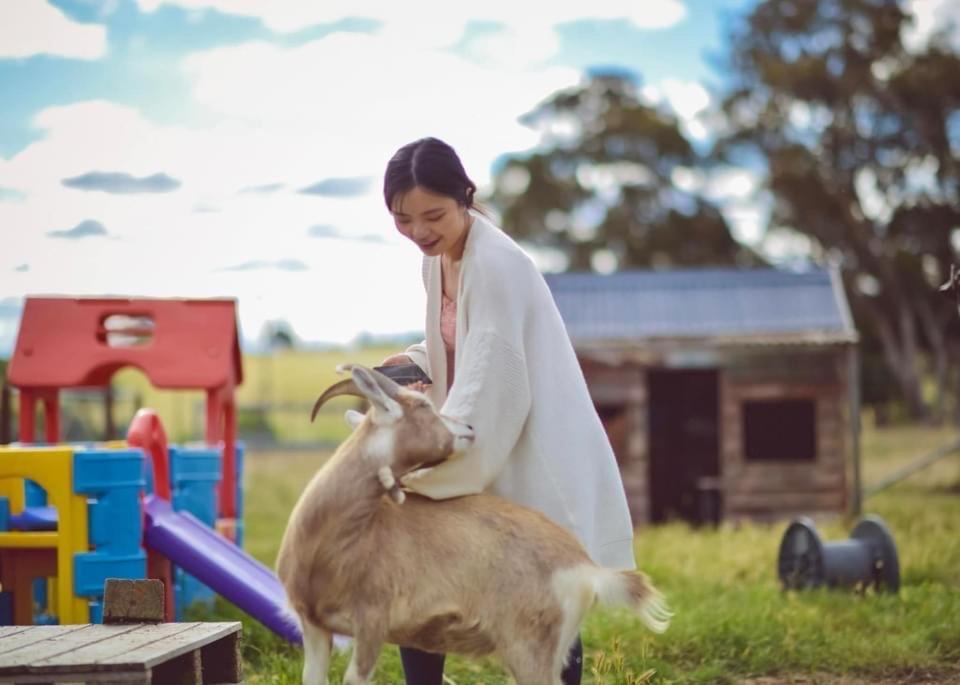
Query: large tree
[[601, 186], [859, 138]]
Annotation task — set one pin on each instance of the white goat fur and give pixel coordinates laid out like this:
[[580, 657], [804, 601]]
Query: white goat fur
[[472, 575]]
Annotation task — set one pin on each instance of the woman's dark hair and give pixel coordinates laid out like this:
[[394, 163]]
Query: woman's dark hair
[[432, 164]]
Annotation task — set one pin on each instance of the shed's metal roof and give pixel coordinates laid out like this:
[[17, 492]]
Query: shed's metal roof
[[698, 303]]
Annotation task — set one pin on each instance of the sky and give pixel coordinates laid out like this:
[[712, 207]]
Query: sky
[[235, 148]]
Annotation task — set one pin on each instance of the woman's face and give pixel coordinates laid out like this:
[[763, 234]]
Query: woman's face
[[436, 223]]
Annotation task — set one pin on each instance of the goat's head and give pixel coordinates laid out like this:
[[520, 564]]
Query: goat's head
[[405, 431]]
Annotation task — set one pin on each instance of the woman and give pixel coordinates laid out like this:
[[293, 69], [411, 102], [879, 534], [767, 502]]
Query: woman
[[500, 359]]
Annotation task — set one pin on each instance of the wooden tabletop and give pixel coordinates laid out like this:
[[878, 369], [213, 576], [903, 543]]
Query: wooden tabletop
[[111, 652]]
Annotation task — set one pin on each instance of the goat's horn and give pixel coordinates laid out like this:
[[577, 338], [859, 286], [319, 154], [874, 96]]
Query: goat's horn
[[344, 387]]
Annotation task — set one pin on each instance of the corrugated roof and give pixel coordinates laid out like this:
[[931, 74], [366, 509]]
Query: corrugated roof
[[697, 303]]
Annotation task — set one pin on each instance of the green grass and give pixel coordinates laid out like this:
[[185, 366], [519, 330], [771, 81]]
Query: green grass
[[732, 620]]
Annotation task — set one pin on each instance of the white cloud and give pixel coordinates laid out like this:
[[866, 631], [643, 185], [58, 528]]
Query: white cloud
[[337, 107], [511, 45], [930, 16], [350, 120], [435, 23], [164, 248], [35, 27], [289, 117]]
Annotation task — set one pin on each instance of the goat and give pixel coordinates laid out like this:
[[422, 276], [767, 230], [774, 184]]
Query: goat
[[472, 575]]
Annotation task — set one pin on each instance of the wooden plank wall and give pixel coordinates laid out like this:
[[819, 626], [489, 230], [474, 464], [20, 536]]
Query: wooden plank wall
[[764, 491], [767, 491], [625, 386]]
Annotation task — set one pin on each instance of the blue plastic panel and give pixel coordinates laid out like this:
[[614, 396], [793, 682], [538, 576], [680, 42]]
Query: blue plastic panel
[[112, 479], [93, 568], [194, 476]]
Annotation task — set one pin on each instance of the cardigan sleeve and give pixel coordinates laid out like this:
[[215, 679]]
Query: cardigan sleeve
[[491, 388], [418, 353], [492, 394]]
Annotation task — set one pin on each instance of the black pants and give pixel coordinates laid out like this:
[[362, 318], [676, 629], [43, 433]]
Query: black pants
[[426, 668]]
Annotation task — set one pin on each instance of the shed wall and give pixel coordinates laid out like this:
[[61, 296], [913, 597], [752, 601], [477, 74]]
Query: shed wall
[[754, 490]]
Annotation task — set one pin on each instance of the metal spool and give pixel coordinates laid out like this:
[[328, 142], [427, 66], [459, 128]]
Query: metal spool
[[869, 557]]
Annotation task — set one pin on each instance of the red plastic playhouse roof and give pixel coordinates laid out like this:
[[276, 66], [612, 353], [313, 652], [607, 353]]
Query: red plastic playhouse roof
[[78, 342]]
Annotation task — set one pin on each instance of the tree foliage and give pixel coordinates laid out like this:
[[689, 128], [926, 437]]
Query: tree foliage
[[601, 187], [859, 137]]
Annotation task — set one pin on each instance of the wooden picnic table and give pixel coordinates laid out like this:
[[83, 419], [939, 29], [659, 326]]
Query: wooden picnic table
[[158, 653]]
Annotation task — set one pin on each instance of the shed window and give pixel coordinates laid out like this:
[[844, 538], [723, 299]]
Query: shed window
[[780, 430]]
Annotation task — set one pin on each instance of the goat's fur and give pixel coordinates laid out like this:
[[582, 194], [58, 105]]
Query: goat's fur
[[471, 575]]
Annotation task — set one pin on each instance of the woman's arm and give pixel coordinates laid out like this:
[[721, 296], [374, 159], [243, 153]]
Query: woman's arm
[[492, 394], [490, 390]]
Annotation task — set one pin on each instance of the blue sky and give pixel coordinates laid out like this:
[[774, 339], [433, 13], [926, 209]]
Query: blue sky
[[232, 148], [143, 48]]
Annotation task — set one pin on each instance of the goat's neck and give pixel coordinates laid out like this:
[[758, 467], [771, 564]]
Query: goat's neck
[[351, 482]]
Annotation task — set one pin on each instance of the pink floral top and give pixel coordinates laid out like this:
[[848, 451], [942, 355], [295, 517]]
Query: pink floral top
[[448, 332]]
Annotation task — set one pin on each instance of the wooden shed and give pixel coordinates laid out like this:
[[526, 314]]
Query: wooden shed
[[727, 394]]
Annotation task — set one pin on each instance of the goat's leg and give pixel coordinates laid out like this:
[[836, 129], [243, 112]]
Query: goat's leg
[[534, 676], [316, 654], [366, 649], [530, 665]]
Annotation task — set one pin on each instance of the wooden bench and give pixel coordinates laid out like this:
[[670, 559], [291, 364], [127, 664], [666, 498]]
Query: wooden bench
[[158, 653]]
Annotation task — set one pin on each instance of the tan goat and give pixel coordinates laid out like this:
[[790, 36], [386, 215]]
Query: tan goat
[[471, 575]]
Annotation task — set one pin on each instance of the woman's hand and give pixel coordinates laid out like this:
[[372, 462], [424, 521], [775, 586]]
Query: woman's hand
[[396, 359]]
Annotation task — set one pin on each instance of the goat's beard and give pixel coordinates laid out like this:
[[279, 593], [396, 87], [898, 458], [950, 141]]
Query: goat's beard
[[391, 485]]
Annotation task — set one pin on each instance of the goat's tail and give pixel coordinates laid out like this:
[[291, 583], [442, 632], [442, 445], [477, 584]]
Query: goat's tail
[[580, 587], [633, 589]]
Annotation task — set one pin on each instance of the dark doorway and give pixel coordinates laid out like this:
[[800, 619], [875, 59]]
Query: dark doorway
[[684, 446]]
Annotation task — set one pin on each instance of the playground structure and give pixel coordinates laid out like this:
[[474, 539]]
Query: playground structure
[[177, 344], [82, 513]]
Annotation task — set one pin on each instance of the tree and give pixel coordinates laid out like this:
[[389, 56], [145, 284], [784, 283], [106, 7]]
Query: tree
[[278, 335], [859, 138], [601, 188]]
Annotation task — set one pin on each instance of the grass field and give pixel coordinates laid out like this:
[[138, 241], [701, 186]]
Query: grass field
[[732, 622]]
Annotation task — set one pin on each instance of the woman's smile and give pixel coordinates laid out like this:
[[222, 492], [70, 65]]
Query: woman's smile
[[435, 223]]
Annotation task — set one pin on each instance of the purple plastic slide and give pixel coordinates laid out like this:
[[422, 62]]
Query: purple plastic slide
[[219, 563]]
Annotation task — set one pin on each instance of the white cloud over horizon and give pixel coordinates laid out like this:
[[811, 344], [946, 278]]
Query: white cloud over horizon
[[434, 24], [35, 27], [280, 117], [288, 118]]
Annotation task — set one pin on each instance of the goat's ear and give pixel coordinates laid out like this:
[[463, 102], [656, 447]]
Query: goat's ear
[[385, 408], [353, 417]]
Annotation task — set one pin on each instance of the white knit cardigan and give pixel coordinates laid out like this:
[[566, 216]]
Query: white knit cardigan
[[517, 381]]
